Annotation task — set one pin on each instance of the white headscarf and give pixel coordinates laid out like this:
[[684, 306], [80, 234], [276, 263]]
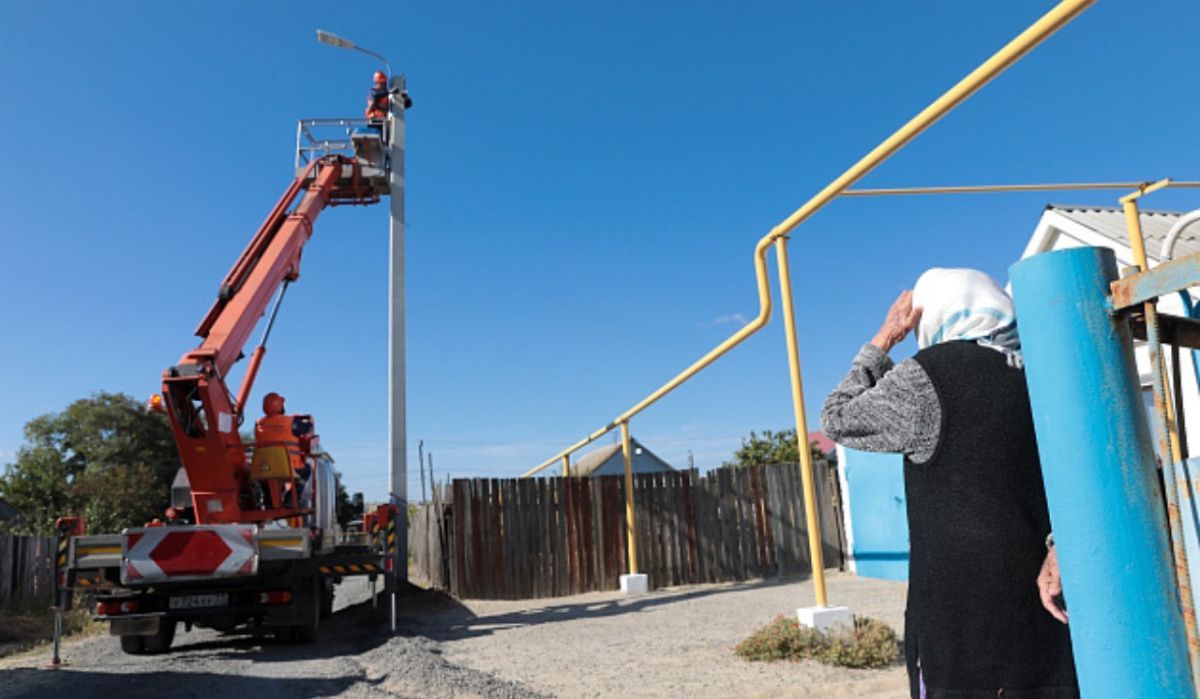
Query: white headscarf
[[966, 304]]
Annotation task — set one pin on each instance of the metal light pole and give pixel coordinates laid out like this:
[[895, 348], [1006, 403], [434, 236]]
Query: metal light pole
[[397, 463]]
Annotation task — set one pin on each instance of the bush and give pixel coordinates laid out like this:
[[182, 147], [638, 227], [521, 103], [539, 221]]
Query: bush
[[868, 644], [25, 627]]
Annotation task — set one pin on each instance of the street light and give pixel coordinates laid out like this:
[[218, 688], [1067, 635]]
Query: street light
[[393, 143], [334, 40]]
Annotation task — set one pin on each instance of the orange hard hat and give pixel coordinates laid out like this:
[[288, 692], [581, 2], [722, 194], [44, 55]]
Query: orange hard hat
[[380, 77], [273, 404]]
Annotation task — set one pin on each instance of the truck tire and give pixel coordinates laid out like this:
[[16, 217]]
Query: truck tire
[[161, 641], [304, 632], [132, 645], [326, 599]]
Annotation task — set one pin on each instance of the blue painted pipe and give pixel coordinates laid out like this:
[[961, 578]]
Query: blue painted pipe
[[1106, 504]]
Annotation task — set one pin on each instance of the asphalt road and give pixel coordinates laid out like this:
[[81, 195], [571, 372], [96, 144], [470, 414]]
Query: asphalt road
[[355, 656]]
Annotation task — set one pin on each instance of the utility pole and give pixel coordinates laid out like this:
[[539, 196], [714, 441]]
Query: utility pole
[[421, 465], [397, 436], [393, 143]]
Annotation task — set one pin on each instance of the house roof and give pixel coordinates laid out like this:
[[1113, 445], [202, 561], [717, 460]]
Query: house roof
[[594, 459], [8, 512], [825, 444], [589, 461], [1109, 221]]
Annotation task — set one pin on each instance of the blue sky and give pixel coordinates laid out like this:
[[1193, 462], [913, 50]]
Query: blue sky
[[586, 182]]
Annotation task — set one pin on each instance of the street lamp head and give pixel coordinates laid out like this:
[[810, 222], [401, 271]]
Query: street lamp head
[[334, 40]]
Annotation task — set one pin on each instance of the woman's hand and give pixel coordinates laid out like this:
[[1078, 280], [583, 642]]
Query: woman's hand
[[1050, 586], [901, 319]]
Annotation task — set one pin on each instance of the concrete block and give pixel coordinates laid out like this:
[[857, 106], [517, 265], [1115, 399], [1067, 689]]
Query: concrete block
[[821, 618], [635, 584]]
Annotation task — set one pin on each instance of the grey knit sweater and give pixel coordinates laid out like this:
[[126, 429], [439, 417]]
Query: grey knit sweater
[[881, 406]]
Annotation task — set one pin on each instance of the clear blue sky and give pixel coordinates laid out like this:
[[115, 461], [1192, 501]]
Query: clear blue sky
[[586, 182]]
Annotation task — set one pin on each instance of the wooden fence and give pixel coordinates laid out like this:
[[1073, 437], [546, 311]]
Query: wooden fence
[[26, 570], [545, 537]]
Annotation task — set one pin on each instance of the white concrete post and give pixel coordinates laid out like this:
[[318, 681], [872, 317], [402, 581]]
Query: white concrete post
[[397, 437]]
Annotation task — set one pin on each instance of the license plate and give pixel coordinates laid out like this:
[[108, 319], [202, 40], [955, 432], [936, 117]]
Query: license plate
[[199, 601]]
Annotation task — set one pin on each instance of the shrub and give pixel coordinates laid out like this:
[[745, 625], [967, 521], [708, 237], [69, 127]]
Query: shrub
[[26, 626], [867, 644]]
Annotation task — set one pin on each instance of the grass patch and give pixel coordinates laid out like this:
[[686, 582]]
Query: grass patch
[[25, 627], [868, 644]]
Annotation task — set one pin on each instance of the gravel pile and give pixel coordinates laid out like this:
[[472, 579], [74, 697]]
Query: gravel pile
[[356, 656], [415, 667]]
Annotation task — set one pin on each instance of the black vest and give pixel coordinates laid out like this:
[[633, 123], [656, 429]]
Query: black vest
[[977, 523]]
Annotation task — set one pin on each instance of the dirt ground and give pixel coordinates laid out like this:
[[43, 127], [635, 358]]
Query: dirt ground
[[676, 642], [669, 643]]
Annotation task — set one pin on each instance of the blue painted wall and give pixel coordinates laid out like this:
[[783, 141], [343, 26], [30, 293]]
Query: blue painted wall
[[878, 519]]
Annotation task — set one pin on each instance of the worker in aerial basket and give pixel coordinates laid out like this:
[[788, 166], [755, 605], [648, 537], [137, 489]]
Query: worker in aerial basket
[[981, 620], [378, 101], [277, 449]]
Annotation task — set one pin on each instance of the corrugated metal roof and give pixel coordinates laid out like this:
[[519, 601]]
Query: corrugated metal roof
[[1109, 221]]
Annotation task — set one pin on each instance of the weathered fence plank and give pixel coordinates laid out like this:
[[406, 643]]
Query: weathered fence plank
[[512, 538], [26, 570], [7, 543]]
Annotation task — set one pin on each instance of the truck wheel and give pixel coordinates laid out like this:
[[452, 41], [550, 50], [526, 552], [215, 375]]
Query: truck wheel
[[132, 645], [326, 599], [306, 632], [161, 641]]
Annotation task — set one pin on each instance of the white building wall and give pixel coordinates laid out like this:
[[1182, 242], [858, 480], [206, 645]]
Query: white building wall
[[1056, 232]]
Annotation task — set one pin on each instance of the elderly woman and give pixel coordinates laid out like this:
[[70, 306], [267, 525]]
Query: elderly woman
[[978, 525]]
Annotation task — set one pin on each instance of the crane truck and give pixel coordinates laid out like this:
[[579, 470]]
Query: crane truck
[[250, 541]]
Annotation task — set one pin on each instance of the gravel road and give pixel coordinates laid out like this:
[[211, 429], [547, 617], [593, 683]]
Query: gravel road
[[675, 642]]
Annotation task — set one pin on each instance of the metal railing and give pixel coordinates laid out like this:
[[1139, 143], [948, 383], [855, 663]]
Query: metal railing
[[316, 138]]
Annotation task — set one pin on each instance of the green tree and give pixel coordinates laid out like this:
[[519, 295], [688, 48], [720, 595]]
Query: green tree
[[347, 509], [106, 457], [771, 448]]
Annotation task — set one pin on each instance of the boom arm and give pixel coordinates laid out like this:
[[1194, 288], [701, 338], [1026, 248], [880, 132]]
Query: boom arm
[[204, 417]]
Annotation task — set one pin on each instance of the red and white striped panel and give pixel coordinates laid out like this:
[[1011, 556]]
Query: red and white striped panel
[[158, 554]]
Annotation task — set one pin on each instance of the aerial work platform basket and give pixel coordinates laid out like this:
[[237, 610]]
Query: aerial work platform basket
[[363, 141]]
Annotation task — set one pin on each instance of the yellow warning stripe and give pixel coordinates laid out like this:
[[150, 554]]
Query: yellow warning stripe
[[350, 567], [96, 550]]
